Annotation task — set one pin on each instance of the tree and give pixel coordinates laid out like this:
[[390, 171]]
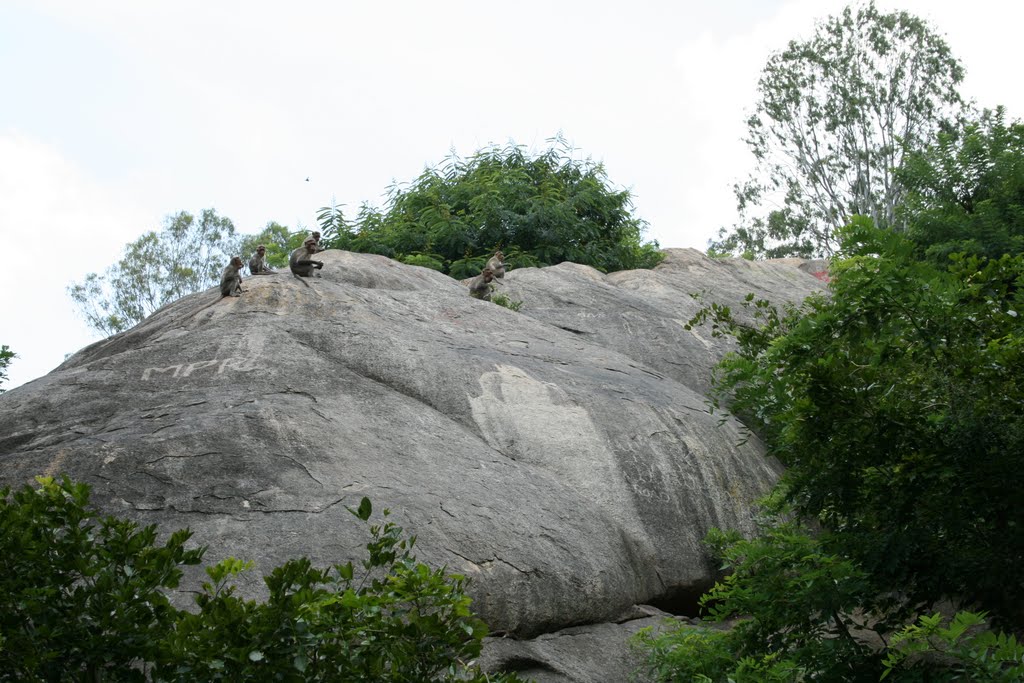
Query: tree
[[393, 619], [966, 190], [276, 238], [83, 599], [966, 652], [800, 612], [796, 606], [6, 356], [80, 596], [835, 119], [158, 268], [896, 405], [540, 210]]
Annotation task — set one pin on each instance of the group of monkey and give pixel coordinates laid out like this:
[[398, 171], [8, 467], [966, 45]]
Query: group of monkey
[[482, 285], [299, 263], [302, 265]]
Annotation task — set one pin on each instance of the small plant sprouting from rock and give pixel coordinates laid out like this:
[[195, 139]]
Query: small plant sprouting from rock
[[503, 300]]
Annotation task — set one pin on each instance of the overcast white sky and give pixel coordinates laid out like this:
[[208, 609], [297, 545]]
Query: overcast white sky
[[117, 113]]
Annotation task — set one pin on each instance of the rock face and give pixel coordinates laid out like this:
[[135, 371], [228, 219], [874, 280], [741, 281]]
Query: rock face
[[595, 653], [562, 456]]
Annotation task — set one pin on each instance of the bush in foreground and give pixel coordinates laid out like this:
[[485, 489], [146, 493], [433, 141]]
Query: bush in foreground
[[82, 598]]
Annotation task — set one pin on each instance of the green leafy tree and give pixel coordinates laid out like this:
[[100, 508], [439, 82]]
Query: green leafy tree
[[81, 596], [896, 405], [966, 191], [392, 619], [186, 256], [797, 609], [6, 357], [835, 118], [957, 649], [276, 238], [677, 654], [894, 402], [540, 210], [82, 599]]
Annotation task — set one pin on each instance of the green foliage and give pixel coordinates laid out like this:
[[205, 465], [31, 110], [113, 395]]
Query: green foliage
[[394, 619], [471, 266], [338, 231], [541, 210], [186, 256], [678, 653], [794, 603], [681, 653], [81, 599], [835, 118], [959, 651], [801, 612], [80, 596], [795, 600], [503, 300], [896, 405], [276, 238], [467, 267], [6, 357], [966, 191], [432, 261]]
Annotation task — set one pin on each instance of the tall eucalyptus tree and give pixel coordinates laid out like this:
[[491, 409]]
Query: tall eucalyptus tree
[[836, 116]]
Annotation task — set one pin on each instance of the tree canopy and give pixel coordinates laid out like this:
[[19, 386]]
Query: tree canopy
[[6, 356], [965, 192], [83, 598], [186, 256], [897, 407], [896, 404], [278, 241], [540, 210], [835, 119]]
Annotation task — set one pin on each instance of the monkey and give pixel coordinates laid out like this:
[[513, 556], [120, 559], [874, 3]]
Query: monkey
[[497, 264], [231, 278], [300, 262], [258, 262], [316, 236], [481, 286]]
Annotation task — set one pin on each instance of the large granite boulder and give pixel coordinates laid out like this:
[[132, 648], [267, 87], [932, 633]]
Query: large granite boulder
[[561, 456]]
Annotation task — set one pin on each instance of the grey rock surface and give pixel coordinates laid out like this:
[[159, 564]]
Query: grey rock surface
[[562, 456], [595, 653]]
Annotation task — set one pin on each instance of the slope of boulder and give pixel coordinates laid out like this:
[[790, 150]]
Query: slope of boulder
[[561, 456]]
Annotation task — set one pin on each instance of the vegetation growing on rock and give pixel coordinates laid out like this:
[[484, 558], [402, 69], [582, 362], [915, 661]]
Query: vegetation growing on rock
[[539, 209]]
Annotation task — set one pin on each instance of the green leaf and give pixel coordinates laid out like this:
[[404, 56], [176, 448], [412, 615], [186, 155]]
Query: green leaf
[[365, 509]]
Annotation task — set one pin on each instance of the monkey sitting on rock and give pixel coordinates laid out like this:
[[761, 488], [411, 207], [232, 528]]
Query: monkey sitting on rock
[[300, 262], [258, 262], [497, 264], [231, 278], [315, 236], [482, 285]]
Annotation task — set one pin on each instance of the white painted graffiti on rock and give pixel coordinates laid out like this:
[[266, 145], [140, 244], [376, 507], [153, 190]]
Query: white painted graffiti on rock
[[186, 369], [649, 493]]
